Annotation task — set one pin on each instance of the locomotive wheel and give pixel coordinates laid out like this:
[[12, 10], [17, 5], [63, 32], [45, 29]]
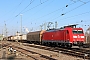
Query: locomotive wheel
[[62, 45], [43, 43], [69, 45]]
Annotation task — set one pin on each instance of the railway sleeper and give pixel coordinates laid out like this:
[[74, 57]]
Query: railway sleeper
[[28, 51]]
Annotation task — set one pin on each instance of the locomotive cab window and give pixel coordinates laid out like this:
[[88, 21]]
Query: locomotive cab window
[[77, 31], [80, 31]]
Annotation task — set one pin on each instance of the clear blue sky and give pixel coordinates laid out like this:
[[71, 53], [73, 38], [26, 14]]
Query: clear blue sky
[[37, 12]]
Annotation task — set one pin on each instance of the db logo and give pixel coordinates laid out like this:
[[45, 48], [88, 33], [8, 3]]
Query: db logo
[[78, 36]]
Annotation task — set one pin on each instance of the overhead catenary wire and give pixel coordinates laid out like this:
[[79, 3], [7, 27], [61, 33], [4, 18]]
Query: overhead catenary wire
[[31, 1], [78, 7], [36, 6], [76, 15], [43, 7], [57, 9], [40, 4], [67, 5], [11, 18], [77, 0], [16, 9], [33, 7], [82, 1], [18, 5], [73, 1], [71, 10]]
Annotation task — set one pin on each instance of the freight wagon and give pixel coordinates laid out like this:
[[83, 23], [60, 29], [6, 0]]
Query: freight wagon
[[22, 38], [35, 37]]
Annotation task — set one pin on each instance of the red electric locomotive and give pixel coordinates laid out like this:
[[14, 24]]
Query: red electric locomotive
[[67, 36]]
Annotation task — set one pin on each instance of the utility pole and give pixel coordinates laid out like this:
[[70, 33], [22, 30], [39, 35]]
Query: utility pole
[[5, 31], [2, 31], [44, 26], [21, 23], [56, 24], [41, 26], [21, 26]]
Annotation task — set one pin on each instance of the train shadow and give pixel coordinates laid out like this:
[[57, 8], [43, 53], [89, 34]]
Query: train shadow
[[12, 57]]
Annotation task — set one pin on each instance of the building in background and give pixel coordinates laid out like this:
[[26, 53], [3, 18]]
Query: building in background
[[87, 36], [1, 37]]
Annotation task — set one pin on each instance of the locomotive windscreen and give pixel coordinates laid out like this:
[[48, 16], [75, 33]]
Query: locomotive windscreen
[[77, 32]]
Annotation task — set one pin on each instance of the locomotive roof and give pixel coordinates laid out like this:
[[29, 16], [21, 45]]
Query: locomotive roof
[[72, 26], [36, 32], [51, 30], [63, 28]]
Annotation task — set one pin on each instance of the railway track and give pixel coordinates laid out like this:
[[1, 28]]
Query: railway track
[[4, 45], [32, 54], [82, 53], [29, 53], [73, 52]]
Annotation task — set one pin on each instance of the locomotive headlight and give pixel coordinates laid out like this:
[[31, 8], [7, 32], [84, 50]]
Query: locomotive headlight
[[74, 36], [82, 36]]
